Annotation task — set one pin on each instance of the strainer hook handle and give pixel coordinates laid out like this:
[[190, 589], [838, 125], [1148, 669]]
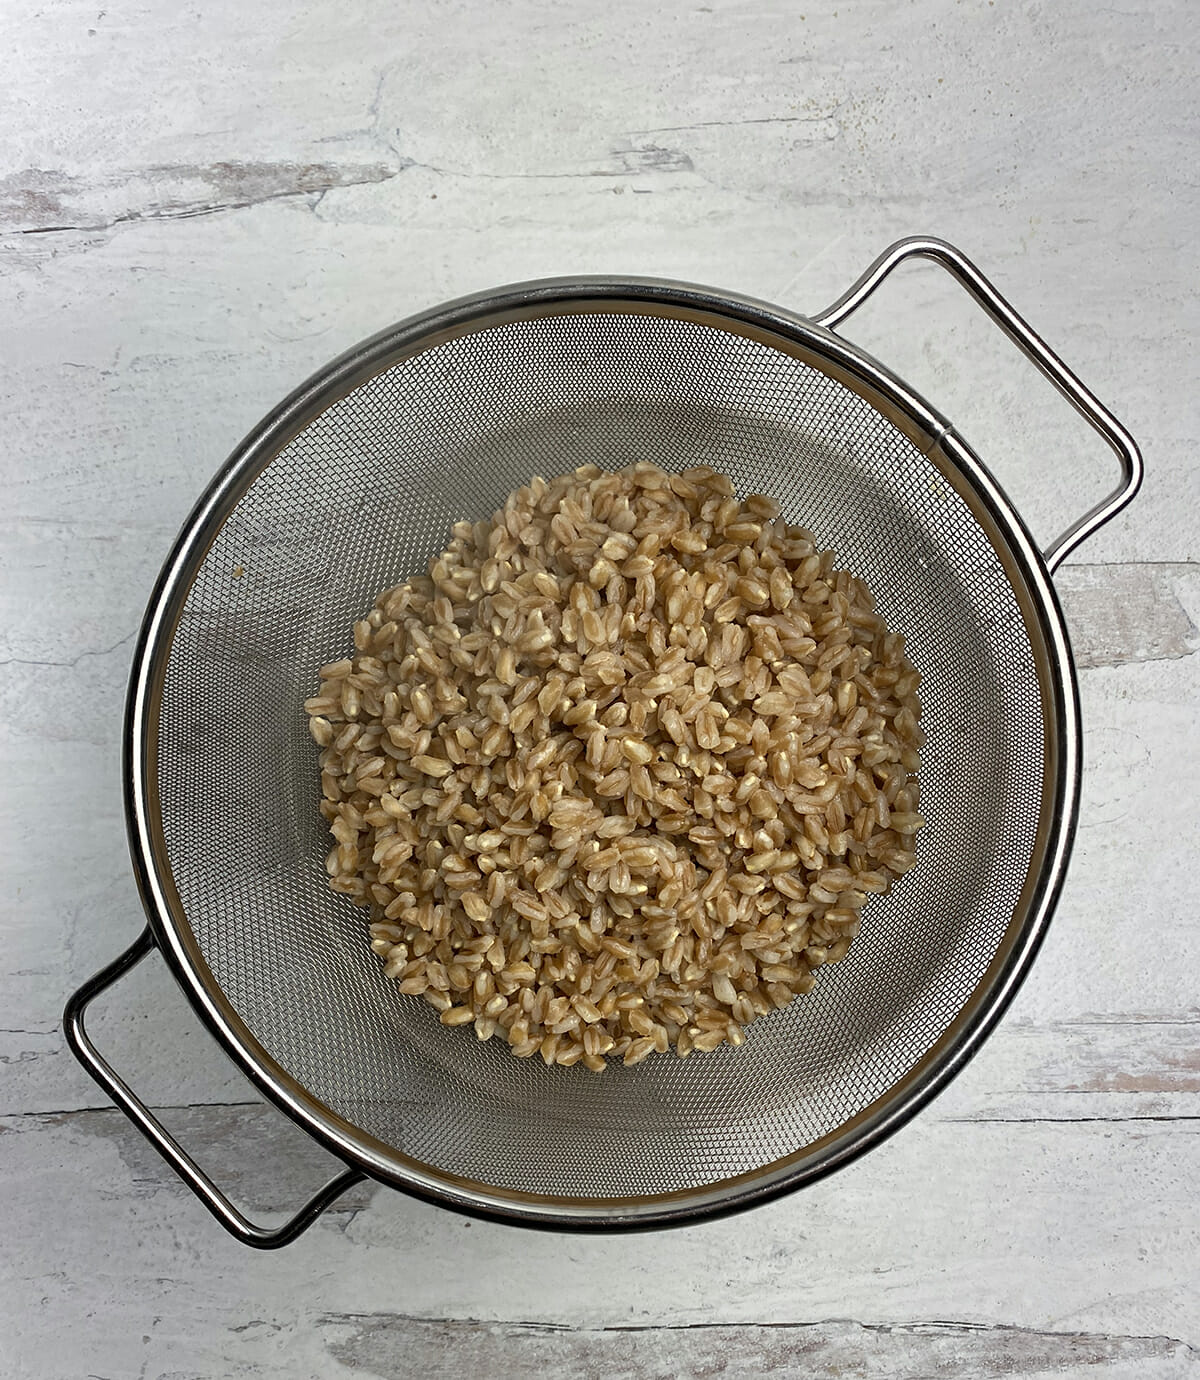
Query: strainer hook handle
[[1034, 348], [234, 1221]]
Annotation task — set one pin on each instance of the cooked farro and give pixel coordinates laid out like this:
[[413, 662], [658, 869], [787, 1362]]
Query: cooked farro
[[618, 773]]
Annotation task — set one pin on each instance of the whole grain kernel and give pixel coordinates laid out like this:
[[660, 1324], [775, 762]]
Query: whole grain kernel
[[619, 772]]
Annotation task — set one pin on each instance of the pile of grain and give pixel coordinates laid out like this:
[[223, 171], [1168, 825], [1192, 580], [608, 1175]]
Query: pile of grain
[[618, 775]]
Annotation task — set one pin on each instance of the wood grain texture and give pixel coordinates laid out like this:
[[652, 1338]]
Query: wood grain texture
[[37, 202], [173, 263], [386, 1346], [1068, 1228]]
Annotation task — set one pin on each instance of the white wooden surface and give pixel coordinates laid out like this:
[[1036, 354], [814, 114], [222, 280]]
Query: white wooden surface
[[201, 204]]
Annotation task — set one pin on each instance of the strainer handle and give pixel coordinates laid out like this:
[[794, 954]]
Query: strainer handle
[[1034, 348], [234, 1221]]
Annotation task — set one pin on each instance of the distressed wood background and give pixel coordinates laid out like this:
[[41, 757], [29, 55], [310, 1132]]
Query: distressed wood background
[[200, 204]]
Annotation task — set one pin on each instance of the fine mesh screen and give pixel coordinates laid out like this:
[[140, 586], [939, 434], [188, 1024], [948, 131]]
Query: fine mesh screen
[[359, 500]]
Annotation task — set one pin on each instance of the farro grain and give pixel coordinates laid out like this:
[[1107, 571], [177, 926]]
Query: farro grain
[[618, 773]]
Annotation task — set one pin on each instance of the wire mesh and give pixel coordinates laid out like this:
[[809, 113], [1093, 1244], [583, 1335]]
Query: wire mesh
[[359, 500]]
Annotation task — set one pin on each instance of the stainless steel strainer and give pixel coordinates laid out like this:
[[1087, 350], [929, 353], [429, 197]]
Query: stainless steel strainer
[[349, 486]]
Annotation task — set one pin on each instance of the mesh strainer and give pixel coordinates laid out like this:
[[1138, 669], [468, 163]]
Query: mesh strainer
[[348, 487]]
